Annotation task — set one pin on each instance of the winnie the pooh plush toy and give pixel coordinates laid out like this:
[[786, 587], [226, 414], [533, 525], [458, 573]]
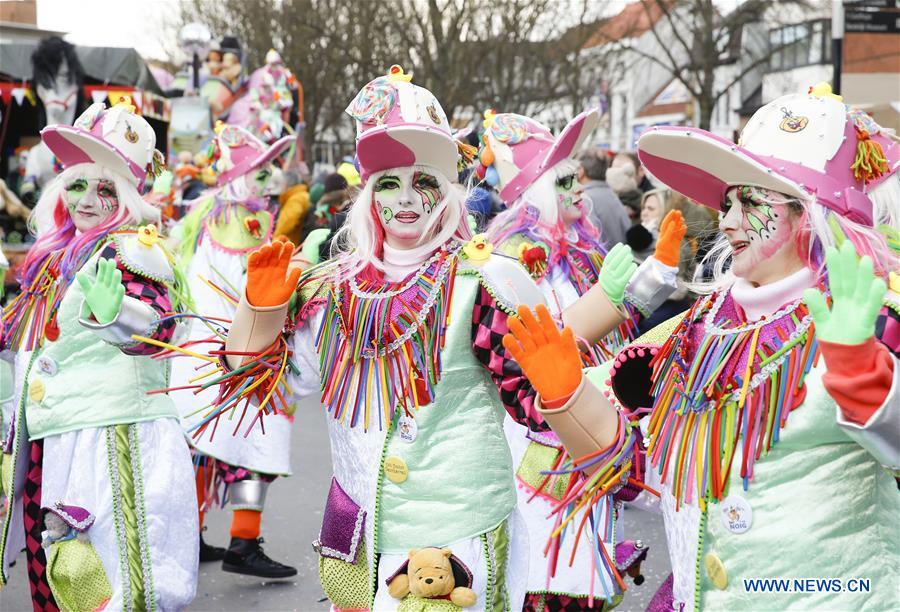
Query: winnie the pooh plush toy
[[428, 581]]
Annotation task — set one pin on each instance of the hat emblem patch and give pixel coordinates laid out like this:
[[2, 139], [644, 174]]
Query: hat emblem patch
[[792, 123], [130, 135], [432, 112]]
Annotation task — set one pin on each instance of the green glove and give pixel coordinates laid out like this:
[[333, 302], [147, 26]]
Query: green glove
[[314, 240], [618, 268], [104, 294], [856, 295]]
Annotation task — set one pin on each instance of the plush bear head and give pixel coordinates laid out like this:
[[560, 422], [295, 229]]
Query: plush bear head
[[431, 573]]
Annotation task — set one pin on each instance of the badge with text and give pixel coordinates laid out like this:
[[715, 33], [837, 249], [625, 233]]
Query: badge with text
[[407, 429], [737, 515]]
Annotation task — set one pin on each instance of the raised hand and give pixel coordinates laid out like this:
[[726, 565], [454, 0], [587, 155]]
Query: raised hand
[[856, 296], [671, 232], [548, 356], [618, 268], [268, 281], [103, 295]]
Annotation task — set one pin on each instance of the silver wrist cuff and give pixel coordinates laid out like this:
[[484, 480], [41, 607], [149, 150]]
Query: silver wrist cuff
[[651, 285], [134, 317], [247, 495]]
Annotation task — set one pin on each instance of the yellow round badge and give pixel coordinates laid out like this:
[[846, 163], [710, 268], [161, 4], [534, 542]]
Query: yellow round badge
[[395, 469]]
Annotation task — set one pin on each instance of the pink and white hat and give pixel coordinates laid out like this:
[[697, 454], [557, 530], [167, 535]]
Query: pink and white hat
[[399, 124], [236, 152], [800, 145], [516, 150], [114, 137]]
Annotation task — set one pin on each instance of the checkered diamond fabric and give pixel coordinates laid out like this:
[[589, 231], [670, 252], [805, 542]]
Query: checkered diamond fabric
[[489, 325]]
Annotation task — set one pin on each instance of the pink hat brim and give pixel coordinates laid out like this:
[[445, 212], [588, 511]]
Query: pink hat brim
[[570, 140], [702, 166], [72, 146], [277, 148], [399, 146]]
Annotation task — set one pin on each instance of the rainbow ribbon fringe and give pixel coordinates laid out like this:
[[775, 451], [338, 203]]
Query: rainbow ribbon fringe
[[595, 479], [26, 318], [380, 348], [736, 389]]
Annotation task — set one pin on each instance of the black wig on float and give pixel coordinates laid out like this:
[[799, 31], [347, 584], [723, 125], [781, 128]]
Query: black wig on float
[[45, 62]]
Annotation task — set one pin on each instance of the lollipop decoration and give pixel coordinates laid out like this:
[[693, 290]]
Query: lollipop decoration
[[375, 101]]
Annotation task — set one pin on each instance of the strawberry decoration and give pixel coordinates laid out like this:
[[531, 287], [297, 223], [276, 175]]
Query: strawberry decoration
[[534, 258], [253, 226]]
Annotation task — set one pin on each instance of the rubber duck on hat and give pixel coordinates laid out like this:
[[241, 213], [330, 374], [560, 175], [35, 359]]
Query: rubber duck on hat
[[802, 145], [401, 124], [114, 137]]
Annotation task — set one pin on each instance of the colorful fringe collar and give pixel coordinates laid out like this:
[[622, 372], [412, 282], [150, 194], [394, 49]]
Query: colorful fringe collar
[[720, 383], [380, 343]]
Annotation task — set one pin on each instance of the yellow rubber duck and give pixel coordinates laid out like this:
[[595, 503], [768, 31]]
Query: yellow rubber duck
[[395, 74], [148, 235], [126, 102], [478, 248], [489, 116], [823, 90]]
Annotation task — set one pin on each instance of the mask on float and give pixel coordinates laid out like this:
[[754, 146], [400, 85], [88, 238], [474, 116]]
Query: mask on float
[[57, 78]]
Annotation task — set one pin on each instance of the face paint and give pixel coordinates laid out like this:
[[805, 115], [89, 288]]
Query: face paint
[[75, 192], [761, 234], [106, 195], [428, 188], [568, 199], [405, 199], [260, 180], [90, 202]]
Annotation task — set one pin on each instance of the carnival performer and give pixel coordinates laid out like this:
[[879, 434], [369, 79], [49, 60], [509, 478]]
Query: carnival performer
[[224, 226], [547, 229], [102, 492], [773, 411], [397, 332]]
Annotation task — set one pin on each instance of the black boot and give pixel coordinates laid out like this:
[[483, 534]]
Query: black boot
[[246, 556], [210, 553]]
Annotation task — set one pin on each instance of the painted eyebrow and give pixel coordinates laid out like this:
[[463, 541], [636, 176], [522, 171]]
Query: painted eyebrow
[[389, 176]]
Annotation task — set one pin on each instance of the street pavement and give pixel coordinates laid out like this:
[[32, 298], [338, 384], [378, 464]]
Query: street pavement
[[291, 522]]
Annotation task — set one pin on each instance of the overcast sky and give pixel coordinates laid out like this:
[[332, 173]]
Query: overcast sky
[[147, 25], [140, 24]]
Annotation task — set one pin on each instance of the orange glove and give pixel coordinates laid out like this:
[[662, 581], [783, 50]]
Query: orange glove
[[548, 356], [267, 269], [668, 245]]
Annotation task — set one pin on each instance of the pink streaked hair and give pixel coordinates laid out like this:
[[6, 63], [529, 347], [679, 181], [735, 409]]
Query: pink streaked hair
[[51, 224], [536, 215]]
